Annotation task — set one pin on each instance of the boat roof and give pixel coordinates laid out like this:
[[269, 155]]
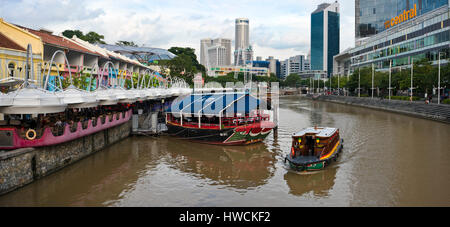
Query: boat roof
[[215, 104], [318, 131]]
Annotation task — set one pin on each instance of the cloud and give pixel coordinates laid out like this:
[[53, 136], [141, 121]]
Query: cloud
[[277, 28], [47, 12]]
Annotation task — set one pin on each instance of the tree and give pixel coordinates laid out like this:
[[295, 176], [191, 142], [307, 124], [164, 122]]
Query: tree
[[70, 33], [126, 43], [293, 80], [185, 65], [91, 37]]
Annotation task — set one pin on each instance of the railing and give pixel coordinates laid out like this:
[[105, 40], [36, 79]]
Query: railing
[[226, 122]]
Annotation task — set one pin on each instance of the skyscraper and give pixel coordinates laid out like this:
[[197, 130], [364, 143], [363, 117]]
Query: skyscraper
[[371, 16], [243, 51], [204, 45], [325, 36], [242, 33], [216, 51]]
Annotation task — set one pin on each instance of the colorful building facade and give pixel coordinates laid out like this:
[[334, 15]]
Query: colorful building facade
[[13, 54], [73, 57]]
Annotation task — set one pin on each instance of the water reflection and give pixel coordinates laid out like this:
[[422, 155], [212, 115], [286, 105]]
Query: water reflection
[[318, 183], [237, 167], [89, 182]]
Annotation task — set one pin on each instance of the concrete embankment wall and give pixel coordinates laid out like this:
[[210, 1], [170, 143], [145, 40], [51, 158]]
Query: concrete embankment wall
[[23, 166], [418, 109]]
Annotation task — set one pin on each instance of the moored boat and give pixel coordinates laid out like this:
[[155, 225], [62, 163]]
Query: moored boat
[[219, 118], [314, 148]]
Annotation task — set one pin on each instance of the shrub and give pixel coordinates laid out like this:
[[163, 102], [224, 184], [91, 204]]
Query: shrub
[[447, 101]]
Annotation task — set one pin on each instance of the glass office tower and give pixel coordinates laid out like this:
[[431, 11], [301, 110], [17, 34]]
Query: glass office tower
[[325, 36], [371, 15]]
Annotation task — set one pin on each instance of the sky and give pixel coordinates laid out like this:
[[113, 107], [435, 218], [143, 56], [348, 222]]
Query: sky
[[279, 28]]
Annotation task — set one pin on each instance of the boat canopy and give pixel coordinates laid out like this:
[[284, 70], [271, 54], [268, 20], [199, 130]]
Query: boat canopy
[[215, 104], [319, 132]]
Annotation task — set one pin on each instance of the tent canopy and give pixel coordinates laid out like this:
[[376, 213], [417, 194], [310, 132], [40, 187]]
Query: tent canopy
[[222, 104]]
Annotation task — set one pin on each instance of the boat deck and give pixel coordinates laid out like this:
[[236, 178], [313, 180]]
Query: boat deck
[[303, 160]]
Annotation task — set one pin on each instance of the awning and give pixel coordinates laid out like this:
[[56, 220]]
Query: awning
[[222, 104]]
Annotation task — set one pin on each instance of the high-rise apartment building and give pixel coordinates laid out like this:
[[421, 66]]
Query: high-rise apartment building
[[294, 65], [325, 36], [216, 51], [373, 16], [217, 56]]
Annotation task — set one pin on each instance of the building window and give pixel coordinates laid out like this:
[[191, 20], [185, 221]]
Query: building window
[[374, 11], [11, 69]]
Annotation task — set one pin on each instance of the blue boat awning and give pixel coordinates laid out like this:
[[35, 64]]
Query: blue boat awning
[[223, 104]]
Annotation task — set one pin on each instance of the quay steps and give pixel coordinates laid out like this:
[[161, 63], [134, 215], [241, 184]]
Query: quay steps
[[417, 108]]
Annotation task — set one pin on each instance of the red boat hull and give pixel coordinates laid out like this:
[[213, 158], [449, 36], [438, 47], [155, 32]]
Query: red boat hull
[[241, 135]]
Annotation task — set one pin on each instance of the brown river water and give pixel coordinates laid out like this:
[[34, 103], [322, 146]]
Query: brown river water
[[388, 160]]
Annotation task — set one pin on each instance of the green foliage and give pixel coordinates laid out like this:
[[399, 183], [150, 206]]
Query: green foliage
[[70, 33], [230, 78], [79, 80], [447, 101], [224, 79], [185, 65], [424, 80], [292, 80], [91, 37], [126, 43]]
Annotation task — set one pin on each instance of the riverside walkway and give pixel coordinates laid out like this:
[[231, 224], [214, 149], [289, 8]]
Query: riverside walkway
[[430, 111]]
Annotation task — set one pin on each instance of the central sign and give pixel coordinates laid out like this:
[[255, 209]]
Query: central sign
[[405, 16]]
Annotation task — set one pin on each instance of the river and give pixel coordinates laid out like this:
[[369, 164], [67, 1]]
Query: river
[[388, 160]]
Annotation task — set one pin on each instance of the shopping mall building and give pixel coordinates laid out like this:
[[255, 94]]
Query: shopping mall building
[[401, 31]]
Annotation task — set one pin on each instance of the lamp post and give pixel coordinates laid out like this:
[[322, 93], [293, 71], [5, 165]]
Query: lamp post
[[330, 84], [439, 80], [412, 76], [359, 82], [339, 76], [390, 74], [373, 75], [309, 90]]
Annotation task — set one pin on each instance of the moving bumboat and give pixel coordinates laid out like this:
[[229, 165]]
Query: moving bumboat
[[219, 118], [314, 148]]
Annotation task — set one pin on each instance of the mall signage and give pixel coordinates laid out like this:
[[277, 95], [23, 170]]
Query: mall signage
[[405, 16]]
